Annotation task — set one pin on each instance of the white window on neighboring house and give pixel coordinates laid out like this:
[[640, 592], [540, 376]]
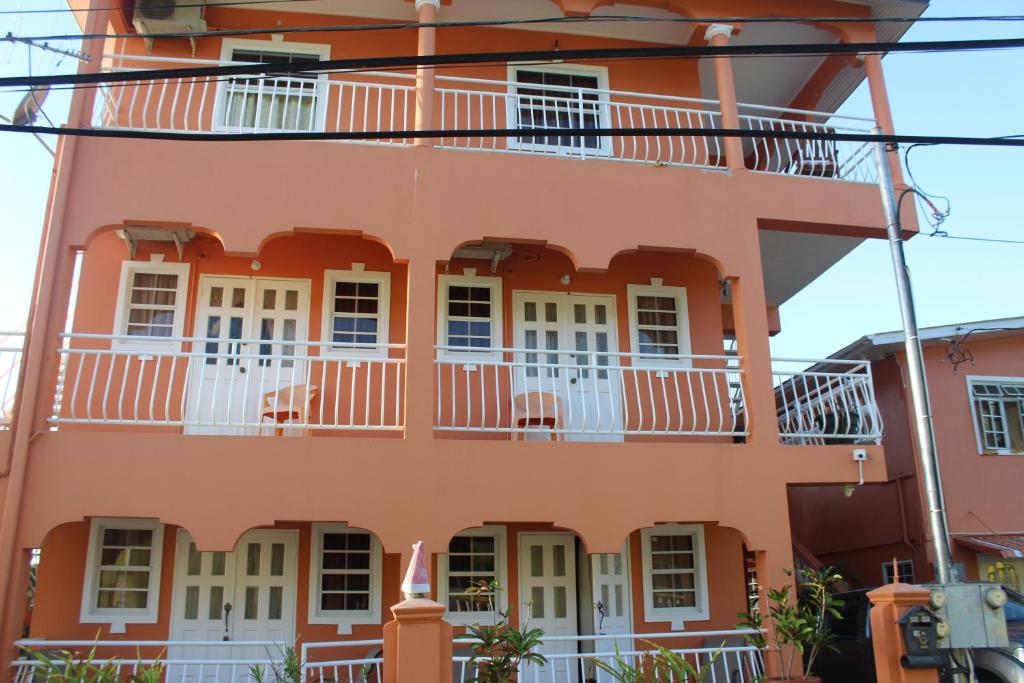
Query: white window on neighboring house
[[475, 560], [285, 101], [357, 306], [469, 315], [674, 573], [558, 96], [345, 577], [150, 303], [904, 572], [659, 324], [122, 577], [998, 407]]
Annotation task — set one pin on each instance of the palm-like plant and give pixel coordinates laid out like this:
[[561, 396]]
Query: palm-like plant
[[500, 648], [660, 665], [72, 667]]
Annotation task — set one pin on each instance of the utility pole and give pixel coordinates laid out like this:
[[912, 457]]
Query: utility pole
[[927, 454]]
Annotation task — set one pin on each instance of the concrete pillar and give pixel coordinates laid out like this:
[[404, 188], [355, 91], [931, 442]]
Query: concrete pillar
[[880, 105], [420, 340], [750, 319], [425, 46], [718, 36], [890, 603], [773, 559], [418, 643]]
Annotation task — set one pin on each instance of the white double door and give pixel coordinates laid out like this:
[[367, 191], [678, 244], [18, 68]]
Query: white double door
[[227, 382], [572, 334], [230, 597], [548, 581]]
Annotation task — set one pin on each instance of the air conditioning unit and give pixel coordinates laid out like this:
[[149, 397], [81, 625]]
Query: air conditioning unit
[[169, 16]]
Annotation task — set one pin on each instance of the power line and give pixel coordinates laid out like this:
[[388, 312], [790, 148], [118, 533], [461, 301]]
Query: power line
[[518, 56]]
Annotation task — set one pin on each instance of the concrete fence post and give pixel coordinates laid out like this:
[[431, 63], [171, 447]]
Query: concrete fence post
[[418, 643], [890, 603]]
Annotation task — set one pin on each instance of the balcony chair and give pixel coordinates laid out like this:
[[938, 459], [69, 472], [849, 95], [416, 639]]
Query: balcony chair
[[286, 404], [537, 408]]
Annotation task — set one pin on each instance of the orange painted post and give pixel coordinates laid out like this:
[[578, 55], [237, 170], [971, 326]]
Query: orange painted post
[[425, 46], [890, 603], [880, 106], [418, 643], [718, 36]]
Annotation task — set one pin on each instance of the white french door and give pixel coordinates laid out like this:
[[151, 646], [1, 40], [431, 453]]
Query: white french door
[[547, 590], [227, 385], [570, 332], [612, 604], [245, 595]]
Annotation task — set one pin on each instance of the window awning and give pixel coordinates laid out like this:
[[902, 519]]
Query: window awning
[[1005, 545]]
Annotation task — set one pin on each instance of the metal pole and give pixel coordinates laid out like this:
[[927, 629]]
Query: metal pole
[[927, 455]]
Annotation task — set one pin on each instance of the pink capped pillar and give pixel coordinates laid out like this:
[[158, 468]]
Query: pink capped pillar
[[718, 36], [425, 47]]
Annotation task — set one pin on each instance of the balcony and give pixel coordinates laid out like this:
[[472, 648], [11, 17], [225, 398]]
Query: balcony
[[374, 105], [826, 402], [11, 346]]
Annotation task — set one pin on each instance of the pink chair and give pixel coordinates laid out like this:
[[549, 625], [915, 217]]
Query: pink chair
[[286, 404], [537, 408]]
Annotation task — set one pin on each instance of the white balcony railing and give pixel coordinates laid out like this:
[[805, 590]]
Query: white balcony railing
[[572, 658], [543, 393], [216, 660], [11, 350], [385, 102], [230, 386], [832, 401]]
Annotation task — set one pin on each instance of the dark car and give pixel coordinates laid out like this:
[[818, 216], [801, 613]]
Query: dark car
[[855, 661]]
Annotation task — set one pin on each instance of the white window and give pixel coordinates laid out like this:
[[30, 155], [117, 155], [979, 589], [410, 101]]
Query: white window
[[289, 101], [469, 315], [475, 558], [558, 96], [659, 324], [344, 577], [122, 575], [357, 306], [150, 303], [905, 569], [674, 574], [998, 407]]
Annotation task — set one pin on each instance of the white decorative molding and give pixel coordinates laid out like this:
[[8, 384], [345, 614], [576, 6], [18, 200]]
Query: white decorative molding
[[718, 30], [435, 3]]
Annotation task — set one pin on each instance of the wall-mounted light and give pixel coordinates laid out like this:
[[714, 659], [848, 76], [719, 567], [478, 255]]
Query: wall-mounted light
[[565, 279], [255, 265]]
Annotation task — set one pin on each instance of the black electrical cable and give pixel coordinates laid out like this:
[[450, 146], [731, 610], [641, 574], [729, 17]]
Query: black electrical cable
[[519, 56]]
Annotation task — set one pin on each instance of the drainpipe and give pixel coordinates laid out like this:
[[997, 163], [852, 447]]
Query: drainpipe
[[426, 42], [53, 272], [718, 36]]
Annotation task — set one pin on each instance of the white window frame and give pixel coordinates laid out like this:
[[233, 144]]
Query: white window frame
[[383, 281], [604, 147], [972, 400], [118, 617], [902, 568], [682, 324], [344, 619], [497, 307], [500, 535], [124, 288], [677, 616], [229, 45]]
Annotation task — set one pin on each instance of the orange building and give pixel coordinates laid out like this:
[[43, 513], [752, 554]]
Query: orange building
[[975, 375], [258, 371]]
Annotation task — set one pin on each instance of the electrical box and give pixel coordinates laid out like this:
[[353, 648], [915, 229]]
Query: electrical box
[[972, 615]]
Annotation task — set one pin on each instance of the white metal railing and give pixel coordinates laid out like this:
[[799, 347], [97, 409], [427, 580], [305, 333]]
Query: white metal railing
[[818, 158], [11, 350], [243, 386], [478, 104], [214, 660], [322, 662], [820, 401], [572, 658], [559, 392], [369, 102]]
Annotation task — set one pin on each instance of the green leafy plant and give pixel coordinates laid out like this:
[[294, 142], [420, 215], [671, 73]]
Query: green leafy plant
[[285, 668], [797, 625], [660, 665], [65, 666], [500, 647]]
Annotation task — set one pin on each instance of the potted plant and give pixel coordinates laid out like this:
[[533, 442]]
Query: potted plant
[[499, 648], [797, 625]]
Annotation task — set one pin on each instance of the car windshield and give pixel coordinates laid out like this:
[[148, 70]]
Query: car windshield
[[1014, 607]]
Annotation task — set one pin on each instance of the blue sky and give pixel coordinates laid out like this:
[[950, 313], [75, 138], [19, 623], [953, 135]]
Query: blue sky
[[942, 94]]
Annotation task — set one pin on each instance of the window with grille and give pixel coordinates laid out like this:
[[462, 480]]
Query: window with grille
[[150, 303], [345, 576], [356, 309], [471, 575], [658, 324], [904, 572], [546, 99], [675, 585], [122, 580], [469, 314], [999, 414], [285, 101]]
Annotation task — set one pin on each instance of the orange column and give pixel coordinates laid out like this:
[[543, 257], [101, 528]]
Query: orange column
[[718, 36], [425, 46], [420, 341], [418, 643], [880, 105], [890, 603], [750, 317]]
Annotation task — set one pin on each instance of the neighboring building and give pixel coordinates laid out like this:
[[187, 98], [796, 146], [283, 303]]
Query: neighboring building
[[545, 356], [975, 376]]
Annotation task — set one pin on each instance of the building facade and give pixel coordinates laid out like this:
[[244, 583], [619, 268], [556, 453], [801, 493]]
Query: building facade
[[258, 371]]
